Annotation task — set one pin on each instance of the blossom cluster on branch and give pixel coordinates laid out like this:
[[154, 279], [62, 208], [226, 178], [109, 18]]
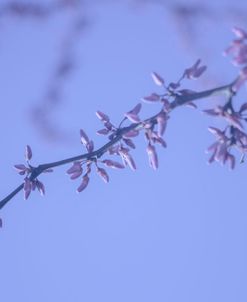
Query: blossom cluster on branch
[[121, 138]]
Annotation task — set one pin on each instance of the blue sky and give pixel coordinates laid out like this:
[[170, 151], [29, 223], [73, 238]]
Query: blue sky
[[175, 234]]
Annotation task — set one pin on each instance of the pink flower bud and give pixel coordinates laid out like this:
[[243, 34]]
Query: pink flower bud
[[28, 153], [162, 121], [152, 155], [40, 187], [27, 188], [76, 167], [102, 173], [131, 133], [112, 164], [195, 71], [133, 117], [103, 117], [103, 131], [76, 174], [129, 143], [127, 158], [21, 169], [239, 32], [154, 97], [217, 132], [90, 146], [84, 184], [84, 137], [158, 80]]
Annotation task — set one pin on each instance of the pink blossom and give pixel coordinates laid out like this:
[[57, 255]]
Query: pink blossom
[[132, 115], [84, 183], [152, 155]]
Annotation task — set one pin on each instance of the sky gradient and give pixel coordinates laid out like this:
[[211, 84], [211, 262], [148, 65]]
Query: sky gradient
[[175, 234]]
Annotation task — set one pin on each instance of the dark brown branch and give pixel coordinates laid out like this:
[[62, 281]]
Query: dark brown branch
[[178, 101]]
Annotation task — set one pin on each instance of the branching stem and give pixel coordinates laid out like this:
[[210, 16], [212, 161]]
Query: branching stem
[[178, 101]]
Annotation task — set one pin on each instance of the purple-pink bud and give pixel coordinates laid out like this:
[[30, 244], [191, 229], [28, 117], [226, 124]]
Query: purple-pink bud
[[76, 167], [131, 133], [152, 155], [158, 80], [154, 97], [239, 32], [27, 188], [102, 116], [134, 118], [28, 153], [129, 143], [112, 164], [127, 158], [40, 187], [132, 115], [76, 174], [84, 137], [90, 146], [21, 169], [103, 131], [84, 184], [102, 173], [161, 121]]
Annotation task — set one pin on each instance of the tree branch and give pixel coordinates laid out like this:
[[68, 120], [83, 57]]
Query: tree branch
[[178, 101]]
